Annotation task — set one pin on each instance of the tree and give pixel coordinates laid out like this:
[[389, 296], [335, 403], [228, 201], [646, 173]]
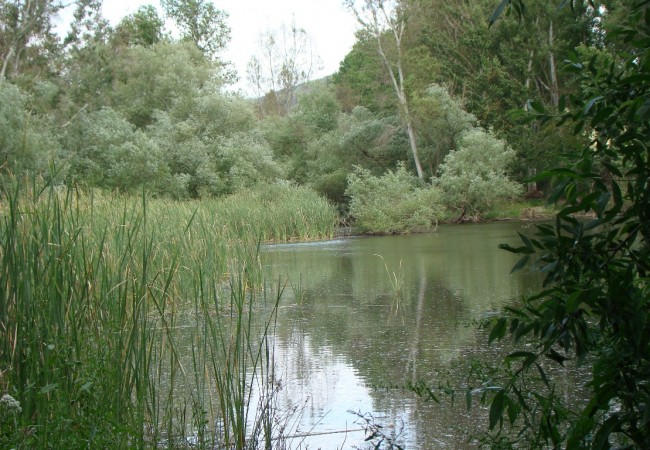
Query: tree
[[108, 152], [200, 22], [440, 121], [25, 25], [89, 27], [362, 81], [594, 309], [385, 21], [143, 28], [473, 177], [286, 59], [27, 142], [167, 76], [497, 70]]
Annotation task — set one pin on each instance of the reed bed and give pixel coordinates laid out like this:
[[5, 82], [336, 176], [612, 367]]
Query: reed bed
[[141, 323]]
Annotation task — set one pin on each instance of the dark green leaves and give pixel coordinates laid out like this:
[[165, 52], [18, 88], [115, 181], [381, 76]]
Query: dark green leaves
[[498, 329], [499, 10], [497, 408]]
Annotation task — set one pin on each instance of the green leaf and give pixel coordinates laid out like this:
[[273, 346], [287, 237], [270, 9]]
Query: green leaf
[[529, 356], [523, 262], [555, 356], [601, 440], [512, 249], [513, 411], [573, 301], [591, 103], [497, 407], [536, 106], [498, 330], [542, 374], [49, 388], [468, 398], [498, 11]]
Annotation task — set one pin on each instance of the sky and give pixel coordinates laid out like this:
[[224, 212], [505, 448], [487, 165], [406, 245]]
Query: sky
[[329, 24]]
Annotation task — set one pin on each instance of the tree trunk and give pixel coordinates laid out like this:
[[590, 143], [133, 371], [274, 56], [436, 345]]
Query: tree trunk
[[554, 88], [376, 21], [398, 85], [5, 64]]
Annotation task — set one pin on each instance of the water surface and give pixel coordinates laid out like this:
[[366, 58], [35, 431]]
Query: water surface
[[361, 317]]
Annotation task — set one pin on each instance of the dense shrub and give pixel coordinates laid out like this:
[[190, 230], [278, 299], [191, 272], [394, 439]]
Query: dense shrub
[[473, 177], [26, 140], [108, 152], [392, 203]]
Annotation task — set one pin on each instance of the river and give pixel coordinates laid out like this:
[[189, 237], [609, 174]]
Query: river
[[362, 317]]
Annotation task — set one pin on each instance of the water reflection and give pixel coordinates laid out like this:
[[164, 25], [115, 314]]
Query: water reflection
[[363, 314]]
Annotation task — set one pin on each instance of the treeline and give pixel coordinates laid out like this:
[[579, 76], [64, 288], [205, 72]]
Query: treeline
[[427, 112]]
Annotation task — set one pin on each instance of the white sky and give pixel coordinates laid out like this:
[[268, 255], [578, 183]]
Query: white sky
[[329, 24]]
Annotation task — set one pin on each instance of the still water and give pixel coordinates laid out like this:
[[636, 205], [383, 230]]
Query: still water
[[361, 317]]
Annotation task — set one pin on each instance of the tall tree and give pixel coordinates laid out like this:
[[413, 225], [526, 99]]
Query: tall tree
[[385, 21], [201, 23], [24, 25], [285, 60], [144, 28]]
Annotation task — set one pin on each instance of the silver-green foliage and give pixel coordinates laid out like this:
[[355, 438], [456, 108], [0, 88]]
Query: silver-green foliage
[[26, 140], [110, 153], [474, 177], [213, 149], [441, 121], [395, 202]]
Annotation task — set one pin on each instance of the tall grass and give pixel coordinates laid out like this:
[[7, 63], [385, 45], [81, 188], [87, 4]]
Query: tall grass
[[134, 323]]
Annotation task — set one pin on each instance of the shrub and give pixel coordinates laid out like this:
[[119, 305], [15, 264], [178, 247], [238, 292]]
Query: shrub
[[110, 153], [392, 203], [27, 142], [473, 178]]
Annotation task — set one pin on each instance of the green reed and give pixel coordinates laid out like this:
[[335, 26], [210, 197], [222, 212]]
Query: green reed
[[95, 294]]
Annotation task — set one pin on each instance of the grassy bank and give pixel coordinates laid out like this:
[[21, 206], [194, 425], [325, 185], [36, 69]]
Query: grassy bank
[[132, 323]]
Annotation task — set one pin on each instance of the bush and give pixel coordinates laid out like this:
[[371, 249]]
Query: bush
[[110, 153], [473, 178], [27, 142], [392, 203]]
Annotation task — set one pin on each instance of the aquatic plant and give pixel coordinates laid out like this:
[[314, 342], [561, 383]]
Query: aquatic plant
[[96, 294]]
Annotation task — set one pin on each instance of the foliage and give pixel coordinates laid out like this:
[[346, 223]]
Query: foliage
[[392, 203], [385, 22], [92, 339], [144, 28], [473, 177], [213, 149], [594, 306], [440, 120], [244, 160], [201, 23], [166, 76], [26, 35], [109, 152], [27, 142], [360, 80]]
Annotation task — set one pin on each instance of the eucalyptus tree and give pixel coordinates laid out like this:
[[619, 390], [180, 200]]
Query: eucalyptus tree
[[385, 21], [441, 120]]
